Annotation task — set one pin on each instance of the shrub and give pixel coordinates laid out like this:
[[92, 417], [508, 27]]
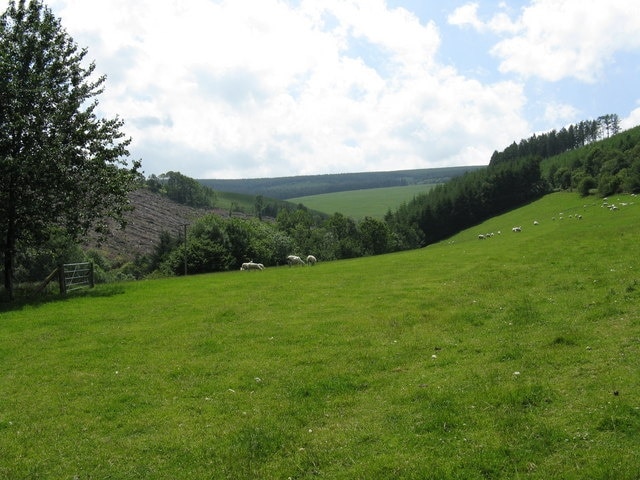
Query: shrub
[[586, 183]]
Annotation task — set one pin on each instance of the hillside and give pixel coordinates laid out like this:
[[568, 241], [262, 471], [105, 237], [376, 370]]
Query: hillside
[[152, 214], [304, 185], [507, 358], [358, 204]]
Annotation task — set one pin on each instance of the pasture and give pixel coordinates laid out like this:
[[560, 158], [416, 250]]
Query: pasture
[[357, 204], [511, 357]]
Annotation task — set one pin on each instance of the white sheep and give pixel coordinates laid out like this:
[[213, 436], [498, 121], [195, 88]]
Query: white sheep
[[294, 260], [252, 266], [311, 260], [516, 229]]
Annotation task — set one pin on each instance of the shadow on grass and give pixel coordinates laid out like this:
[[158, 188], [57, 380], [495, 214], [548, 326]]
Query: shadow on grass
[[26, 298]]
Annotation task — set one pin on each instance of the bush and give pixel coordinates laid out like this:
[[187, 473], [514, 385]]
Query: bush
[[202, 256], [586, 184]]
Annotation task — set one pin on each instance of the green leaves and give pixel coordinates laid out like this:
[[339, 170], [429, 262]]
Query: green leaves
[[61, 165]]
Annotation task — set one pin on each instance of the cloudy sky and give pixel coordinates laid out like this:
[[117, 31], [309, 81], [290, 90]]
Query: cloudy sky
[[265, 88]]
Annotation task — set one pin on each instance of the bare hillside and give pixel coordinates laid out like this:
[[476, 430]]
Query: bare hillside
[[152, 214]]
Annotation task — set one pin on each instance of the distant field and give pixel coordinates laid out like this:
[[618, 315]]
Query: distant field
[[372, 202], [512, 357], [297, 186]]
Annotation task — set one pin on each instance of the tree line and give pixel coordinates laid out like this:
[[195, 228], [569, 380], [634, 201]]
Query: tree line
[[523, 173], [303, 185], [556, 142], [466, 201], [605, 168], [215, 243], [182, 189]]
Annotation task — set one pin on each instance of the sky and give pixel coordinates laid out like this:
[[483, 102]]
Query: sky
[[269, 88]]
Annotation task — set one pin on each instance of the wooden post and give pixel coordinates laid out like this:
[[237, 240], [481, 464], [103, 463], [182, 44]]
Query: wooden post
[[91, 281], [47, 280], [61, 280]]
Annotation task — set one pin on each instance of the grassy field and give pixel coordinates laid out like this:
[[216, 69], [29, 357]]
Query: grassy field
[[357, 204], [512, 357]]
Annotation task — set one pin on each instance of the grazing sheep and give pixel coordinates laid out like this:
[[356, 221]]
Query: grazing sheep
[[535, 222], [294, 260], [480, 237], [516, 229], [311, 260], [252, 266]]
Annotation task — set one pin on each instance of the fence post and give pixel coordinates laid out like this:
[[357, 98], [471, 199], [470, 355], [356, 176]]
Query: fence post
[[91, 282], [62, 280]]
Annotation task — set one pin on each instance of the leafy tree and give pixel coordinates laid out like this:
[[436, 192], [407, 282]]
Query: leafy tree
[[212, 228], [610, 123], [375, 236], [343, 235], [562, 178], [238, 236], [267, 244], [163, 249], [61, 167], [608, 184], [586, 184], [186, 190], [632, 180], [259, 206], [154, 184], [36, 263], [202, 256]]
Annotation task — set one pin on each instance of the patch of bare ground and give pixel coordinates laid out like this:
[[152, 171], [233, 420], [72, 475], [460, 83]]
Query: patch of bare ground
[[152, 214]]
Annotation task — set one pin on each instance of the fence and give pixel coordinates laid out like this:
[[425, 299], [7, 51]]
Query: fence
[[71, 276]]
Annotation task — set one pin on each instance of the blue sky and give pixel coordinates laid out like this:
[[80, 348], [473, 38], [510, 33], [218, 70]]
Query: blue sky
[[266, 88]]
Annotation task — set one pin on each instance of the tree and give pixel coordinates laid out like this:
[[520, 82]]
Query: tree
[[259, 206], [375, 236], [186, 190], [61, 167], [586, 184]]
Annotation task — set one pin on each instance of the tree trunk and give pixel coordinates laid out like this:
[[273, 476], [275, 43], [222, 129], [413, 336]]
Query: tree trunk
[[9, 254]]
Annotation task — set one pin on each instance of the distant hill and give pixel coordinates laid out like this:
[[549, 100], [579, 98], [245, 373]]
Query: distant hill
[[154, 213], [304, 185], [358, 204]]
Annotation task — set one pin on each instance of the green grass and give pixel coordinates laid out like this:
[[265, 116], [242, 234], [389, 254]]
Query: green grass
[[372, 202], [512, 357], [240, 202]]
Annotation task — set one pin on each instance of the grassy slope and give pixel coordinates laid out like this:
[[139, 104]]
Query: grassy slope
[[372, 202], [513, 357]]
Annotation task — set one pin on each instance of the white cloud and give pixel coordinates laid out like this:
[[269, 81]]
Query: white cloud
[[467, 15], [633, 120], [557, 39], [559, 113], [248, 88]]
